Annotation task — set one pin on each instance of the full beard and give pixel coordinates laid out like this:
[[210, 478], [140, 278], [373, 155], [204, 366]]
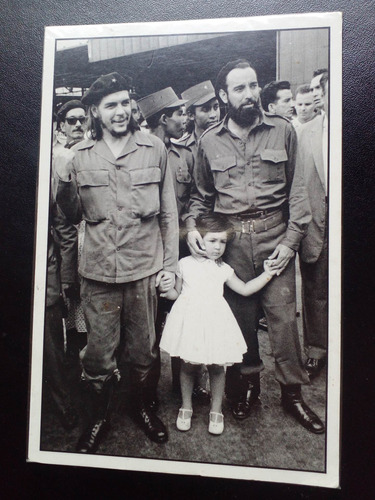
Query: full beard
[[243, 116]]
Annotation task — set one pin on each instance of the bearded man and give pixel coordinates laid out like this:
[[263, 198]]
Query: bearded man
[[119, 182], [246, 170]]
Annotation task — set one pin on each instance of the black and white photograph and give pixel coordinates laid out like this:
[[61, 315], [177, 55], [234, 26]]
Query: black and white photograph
[[173, 154]]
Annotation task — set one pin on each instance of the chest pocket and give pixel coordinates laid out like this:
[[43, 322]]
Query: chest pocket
[[225, 171], [183, 175], [272, 165], [145, 191], [93, 188]]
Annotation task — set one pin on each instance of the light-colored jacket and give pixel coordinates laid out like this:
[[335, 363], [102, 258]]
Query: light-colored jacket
[[310, 156]]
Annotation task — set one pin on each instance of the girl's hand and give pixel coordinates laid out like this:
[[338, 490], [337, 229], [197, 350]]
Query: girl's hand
[[280, 257], [164, 286], [267, 266], [165, 280]]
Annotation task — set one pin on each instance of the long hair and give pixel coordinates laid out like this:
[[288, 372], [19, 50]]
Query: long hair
[[95, 130]]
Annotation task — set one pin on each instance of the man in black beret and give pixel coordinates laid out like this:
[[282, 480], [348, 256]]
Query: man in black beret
[[119, 182]]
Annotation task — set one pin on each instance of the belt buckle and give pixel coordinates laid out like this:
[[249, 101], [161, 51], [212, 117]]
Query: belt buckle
[[247, 226]]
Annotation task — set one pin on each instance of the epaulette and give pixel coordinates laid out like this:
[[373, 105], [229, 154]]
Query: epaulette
[[85, 144], [212, 127]]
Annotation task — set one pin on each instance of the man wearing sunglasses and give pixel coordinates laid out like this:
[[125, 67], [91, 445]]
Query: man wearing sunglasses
[[72, 117]]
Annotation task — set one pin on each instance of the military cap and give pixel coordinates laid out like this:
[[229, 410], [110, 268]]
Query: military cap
[[105, 85], [73, 104], [199, 94], [153, 103]]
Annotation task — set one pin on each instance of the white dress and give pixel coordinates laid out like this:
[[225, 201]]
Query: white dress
[[201, 327]]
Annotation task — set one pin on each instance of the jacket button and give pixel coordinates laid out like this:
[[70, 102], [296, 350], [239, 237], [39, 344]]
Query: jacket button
[[119, 228], [118, 167], [117, 249], [119, 209]]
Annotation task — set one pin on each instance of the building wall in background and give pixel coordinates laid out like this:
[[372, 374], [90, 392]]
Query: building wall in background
[[300, 52]]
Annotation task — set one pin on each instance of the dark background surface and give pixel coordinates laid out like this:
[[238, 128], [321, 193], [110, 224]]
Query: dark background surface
[[21, 42]]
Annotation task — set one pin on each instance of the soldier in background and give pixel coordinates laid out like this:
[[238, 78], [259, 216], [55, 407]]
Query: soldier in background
[[164, 113], [203, 110]]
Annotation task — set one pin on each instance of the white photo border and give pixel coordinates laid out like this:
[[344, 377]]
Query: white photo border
[[331, 20]]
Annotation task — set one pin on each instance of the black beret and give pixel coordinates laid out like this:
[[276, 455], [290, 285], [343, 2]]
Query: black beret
[[105, 85], [73, 104]]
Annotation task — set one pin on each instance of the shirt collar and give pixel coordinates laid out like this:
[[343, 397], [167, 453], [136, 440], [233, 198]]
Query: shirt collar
[[136, 139], [172, 147], [264, 120]]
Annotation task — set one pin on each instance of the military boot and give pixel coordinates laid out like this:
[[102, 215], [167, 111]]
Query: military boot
[[293, 403], [97, 406], [243, 392], [141, 412]]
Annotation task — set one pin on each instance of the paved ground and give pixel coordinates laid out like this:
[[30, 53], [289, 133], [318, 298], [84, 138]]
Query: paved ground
[[268, 438]]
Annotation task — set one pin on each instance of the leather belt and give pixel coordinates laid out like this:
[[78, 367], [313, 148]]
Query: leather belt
[[247, 224], [255, 215]]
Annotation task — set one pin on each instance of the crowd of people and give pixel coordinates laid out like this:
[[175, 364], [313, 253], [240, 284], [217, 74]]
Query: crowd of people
[[175, 222]]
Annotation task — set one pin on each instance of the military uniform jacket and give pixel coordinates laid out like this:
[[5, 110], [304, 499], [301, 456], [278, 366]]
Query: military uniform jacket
[[129, 207], [181, 163], [234, 176], [191, 142], [310, 157]]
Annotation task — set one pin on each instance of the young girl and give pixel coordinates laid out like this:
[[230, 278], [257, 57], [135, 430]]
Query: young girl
[[201, 328]]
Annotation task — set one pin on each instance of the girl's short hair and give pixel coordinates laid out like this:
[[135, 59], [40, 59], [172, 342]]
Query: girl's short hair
[[214, 223]]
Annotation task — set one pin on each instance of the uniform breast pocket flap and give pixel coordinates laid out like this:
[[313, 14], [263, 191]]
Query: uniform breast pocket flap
[[145, 191], [274, 155], [223, 163], [183, 176], [94, 190], [93, 178], [148, 175], [273, 165], [224, 172]]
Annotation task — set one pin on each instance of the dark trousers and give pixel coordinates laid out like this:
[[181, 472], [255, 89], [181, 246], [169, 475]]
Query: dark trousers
[[119, 316], [315, 304], [246, 254], [54, 369]]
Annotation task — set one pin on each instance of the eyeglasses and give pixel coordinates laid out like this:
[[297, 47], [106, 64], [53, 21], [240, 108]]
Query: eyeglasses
[[73, 120]]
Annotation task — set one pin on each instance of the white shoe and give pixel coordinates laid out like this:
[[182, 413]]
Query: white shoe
[[183, 422], [216, 425]]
